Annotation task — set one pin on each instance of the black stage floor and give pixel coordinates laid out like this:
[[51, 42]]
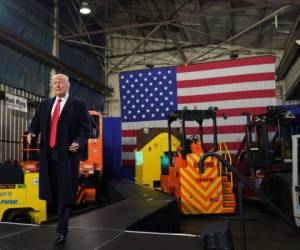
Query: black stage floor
[[121, 225]]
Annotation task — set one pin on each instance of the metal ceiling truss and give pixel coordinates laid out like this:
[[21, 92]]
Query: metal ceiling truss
[[169, 31], [141, 16], [260, 30], [233, 4], [265, 19], [83, 27], [199, 5], [134, 51], [119, 5], [197, 14]]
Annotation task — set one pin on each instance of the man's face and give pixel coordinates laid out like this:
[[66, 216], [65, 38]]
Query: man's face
[[60, 86]]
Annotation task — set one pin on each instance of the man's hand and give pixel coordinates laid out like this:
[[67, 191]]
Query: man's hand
[[29, 137], [74, 147]]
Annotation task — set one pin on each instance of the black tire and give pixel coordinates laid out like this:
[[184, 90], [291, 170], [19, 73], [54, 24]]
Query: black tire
[[278, 188], [19, 216]]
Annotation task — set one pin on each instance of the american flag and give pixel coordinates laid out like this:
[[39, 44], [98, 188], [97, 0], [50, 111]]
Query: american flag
[[234, 86]]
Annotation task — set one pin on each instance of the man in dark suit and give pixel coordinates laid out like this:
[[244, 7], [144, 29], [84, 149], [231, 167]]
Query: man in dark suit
[[63, 122]]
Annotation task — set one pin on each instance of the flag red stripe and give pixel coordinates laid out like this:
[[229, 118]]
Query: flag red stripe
[[230, 145], [221, 130], [128, 133], [128, 148], [226, 80], [228, 112], [227, 96], [226, 64], [128, 163], [230, 129], [208, 130], [239, 111]]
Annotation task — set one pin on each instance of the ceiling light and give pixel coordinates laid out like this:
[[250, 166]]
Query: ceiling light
[[298, 41], [84, 9]]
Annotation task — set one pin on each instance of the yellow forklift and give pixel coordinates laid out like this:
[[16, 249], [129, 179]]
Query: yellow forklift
[[19, 200]]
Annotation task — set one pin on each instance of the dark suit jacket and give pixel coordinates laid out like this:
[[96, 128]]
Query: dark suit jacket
[[73, 126]]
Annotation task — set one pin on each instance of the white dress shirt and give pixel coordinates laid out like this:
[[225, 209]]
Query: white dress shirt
[[62, 103]]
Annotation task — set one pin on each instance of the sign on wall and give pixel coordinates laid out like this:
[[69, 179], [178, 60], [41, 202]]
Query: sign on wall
[[16, 102]]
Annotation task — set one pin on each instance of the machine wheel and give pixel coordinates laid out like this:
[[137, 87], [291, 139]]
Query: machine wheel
[[277, 187], [19, 216]]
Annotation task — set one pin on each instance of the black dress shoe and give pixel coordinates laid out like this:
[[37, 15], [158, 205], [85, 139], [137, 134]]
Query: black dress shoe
[[60, 239]]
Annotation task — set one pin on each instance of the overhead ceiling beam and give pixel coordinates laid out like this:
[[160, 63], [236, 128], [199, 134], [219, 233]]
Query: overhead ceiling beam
[[260, 33], [113, 29], [171, 34], [106, 6], [151, 17], [74, 21], [233, 4], [134, 51], [203, 20], [128, 16], [177, 17], [173, 48], [201, 13], [61, 23], [84, 28], [180, 7], [50, 15], [238, 10], [267, 18], [23, 47], [149, 24]]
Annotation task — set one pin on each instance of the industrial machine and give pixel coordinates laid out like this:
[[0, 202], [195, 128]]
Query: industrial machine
[[91, 169], [151, 144], [265, 154], [19, 200], [210, 192], [19, 187]]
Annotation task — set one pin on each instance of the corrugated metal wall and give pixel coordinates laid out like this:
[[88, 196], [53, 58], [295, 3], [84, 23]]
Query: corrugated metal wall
[[13, 123], [293, 75]]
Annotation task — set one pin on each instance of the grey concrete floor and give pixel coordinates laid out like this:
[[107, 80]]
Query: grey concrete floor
[[264, 231]]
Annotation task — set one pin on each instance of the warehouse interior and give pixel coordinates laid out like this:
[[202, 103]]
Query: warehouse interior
[[151, 73]]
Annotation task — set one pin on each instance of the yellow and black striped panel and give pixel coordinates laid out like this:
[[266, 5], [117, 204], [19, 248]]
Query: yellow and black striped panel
[[200, 193]]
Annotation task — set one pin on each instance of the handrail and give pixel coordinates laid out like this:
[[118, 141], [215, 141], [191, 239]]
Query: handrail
[[227, 152], [224, 152], [244, 180]]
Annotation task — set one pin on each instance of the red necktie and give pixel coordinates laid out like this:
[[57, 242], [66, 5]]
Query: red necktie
[[54, 122]]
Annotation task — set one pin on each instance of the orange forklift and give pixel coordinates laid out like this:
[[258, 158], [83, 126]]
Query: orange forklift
[[91, 169], [210, 192]]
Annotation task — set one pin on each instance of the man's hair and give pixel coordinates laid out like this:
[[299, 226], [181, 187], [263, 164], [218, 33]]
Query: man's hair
[[65, 77]]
